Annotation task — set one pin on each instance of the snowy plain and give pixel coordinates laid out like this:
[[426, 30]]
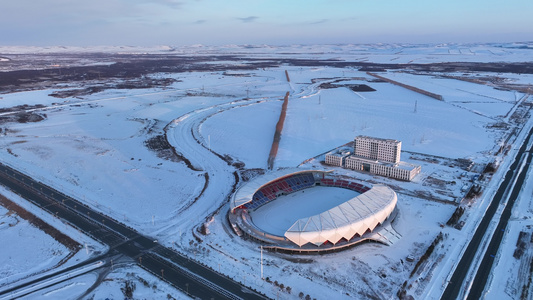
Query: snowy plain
[[93, 148]]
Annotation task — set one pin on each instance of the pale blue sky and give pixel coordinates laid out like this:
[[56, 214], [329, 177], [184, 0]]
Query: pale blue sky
[[218, 22]]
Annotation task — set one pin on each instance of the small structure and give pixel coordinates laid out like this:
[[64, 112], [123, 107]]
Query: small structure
[[337, 158], [376, 156]]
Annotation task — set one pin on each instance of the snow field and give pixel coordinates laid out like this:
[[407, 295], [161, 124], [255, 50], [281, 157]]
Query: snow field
[[485, 100], [247, 132], [37, 252], [145, 286], [437, 128], [112, 180], [96, 153], [19, 236]]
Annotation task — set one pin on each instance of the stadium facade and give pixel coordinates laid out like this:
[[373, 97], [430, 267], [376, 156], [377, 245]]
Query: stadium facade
[[366, 216]]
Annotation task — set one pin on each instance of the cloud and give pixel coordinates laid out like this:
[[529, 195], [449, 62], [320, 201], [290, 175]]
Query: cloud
[[248, 19], [200, 21], [319, 21], [169, 3]]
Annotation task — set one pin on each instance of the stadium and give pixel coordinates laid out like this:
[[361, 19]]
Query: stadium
[[294, 210]]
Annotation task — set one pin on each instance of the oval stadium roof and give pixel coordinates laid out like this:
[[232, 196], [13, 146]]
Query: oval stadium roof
[[354, 216]]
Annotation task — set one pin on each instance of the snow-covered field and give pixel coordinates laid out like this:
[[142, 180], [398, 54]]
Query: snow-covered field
[[383, 53], [94, 148], [115, 285], [29, 252], [19, 236]]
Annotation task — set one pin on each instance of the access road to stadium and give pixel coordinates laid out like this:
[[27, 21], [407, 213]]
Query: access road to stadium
[[181, 272], [514, 179]]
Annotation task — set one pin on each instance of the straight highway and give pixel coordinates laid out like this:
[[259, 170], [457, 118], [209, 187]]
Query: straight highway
[[454, 287], [189, 276], [482, 275]]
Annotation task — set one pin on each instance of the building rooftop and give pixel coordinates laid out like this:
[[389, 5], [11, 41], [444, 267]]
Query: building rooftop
[[375, 138]]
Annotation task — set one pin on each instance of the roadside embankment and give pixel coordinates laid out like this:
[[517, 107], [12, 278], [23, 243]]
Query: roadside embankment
[[277, 134], [409, 87]]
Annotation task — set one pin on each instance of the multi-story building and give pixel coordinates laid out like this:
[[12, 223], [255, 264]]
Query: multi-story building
[[336, 158], [400, 170], [376, 156], [378, 149]]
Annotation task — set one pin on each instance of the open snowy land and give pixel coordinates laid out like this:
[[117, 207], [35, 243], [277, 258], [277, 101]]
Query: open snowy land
[[164, 159]]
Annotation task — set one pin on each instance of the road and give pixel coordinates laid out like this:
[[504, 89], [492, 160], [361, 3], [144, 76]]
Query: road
[[453, 289], [480, 280], [187, 275]]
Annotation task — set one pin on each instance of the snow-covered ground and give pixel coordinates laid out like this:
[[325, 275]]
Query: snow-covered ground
[[122, 282], [93, 148], [510, 275], [385, 53], [29, 252], [19, 236]]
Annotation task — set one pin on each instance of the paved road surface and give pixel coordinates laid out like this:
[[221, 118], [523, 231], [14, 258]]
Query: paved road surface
[[453, 289], [187, 275], [480, 280]]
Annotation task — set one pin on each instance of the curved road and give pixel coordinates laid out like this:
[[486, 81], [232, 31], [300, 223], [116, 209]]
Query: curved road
[[189, 276], [184, 135]]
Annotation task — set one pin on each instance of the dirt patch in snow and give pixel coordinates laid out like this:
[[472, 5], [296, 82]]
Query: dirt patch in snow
[[21, 114]]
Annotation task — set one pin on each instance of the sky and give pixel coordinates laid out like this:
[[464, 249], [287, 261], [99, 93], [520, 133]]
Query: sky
[[223, 22]]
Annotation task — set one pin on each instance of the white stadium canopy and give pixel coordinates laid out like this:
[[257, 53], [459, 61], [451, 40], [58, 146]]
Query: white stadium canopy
[[354, 216]]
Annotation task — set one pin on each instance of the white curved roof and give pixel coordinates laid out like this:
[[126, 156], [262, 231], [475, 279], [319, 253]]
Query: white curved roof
[[354, 216], [245, 193]]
